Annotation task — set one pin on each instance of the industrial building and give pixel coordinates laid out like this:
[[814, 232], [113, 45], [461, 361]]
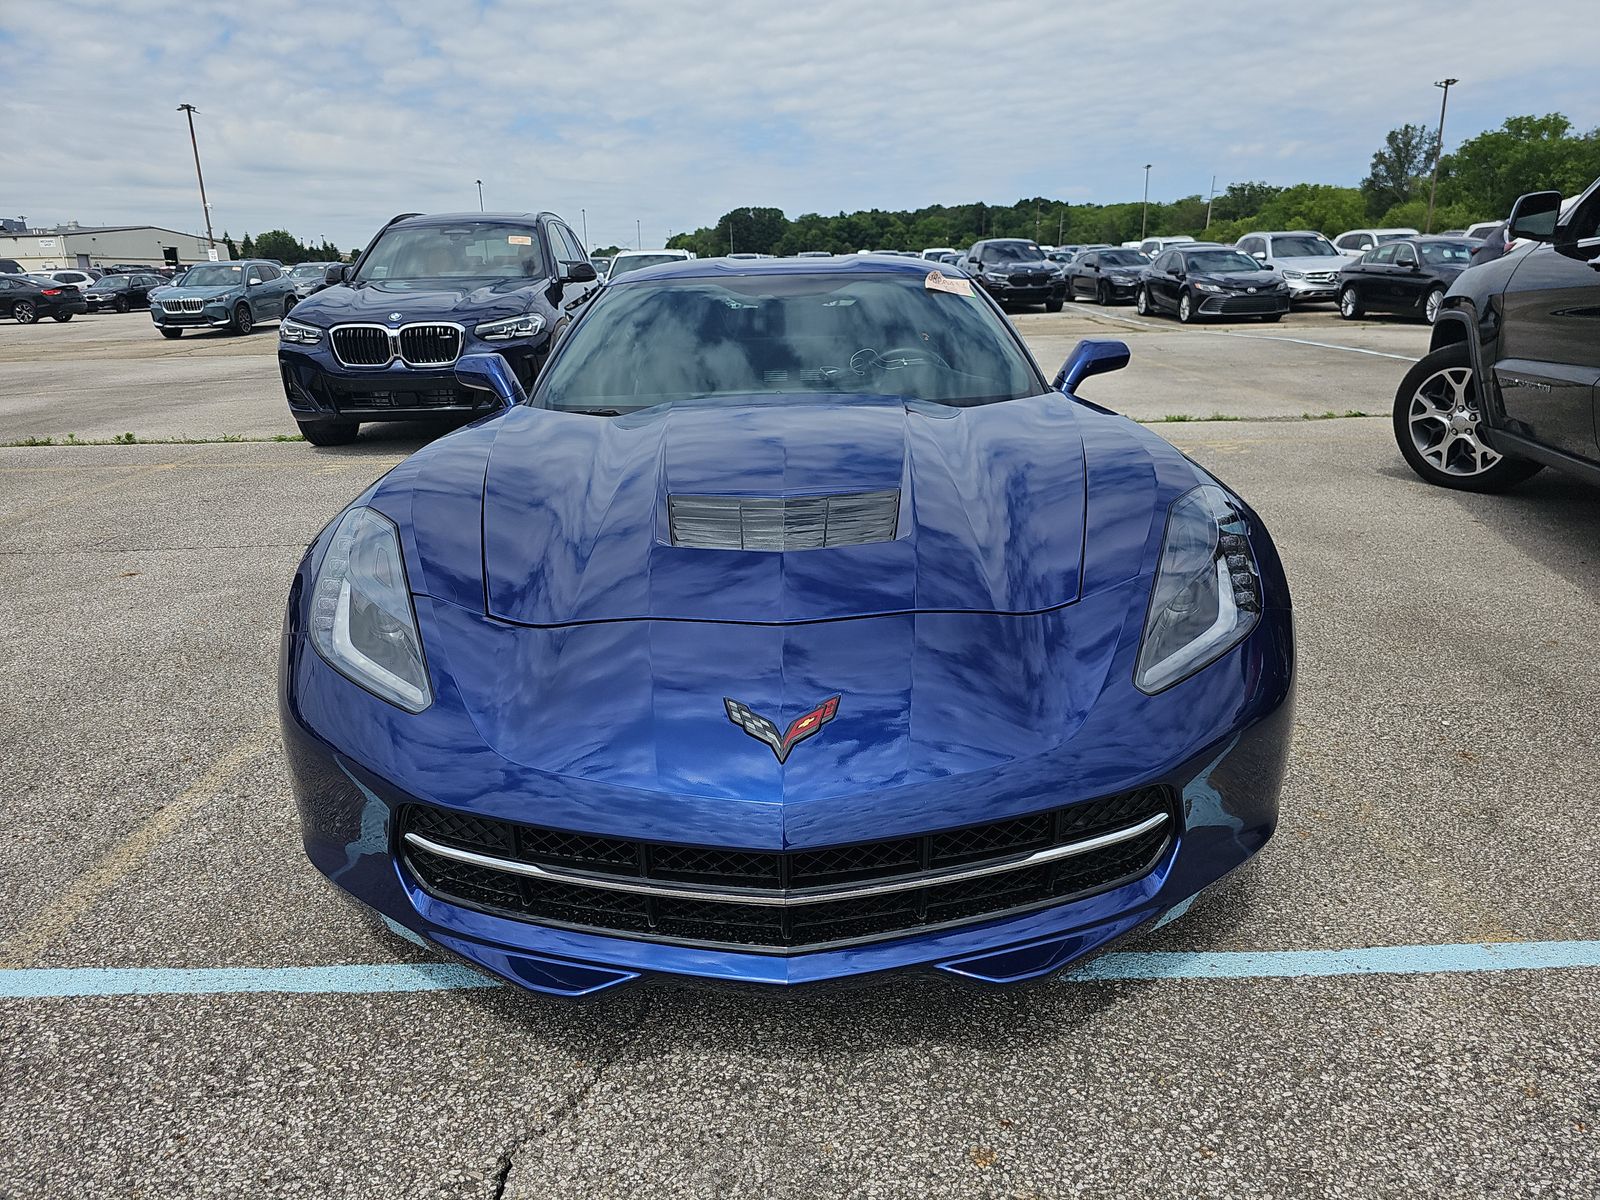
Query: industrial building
[[84, 246]]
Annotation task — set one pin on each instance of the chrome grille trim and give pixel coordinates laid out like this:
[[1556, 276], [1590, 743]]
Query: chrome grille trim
[[183, 304], [776, 898], [779, 523], [416, 344]]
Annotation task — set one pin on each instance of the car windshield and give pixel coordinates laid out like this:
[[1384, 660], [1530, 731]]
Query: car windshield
[[1304, 246], [214, 275], [308, 271], [668, 340], [463, 250], [1122, 258], [1012, 252], [1445, 254], [1207, 261], [632, 262]]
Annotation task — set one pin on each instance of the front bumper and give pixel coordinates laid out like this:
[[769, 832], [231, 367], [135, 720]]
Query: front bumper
[[1242, 304], [1029, 293], [213, 314], [1219, 741], [1308, 291]]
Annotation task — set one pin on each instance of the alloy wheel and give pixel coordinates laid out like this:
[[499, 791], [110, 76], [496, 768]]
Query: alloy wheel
[[25, 312], [1142, 303], [1443, 418], [1432, 305], [1349, 305], [1185, 308]]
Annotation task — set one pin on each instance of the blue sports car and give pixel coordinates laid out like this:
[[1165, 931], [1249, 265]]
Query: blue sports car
[[795, 628]]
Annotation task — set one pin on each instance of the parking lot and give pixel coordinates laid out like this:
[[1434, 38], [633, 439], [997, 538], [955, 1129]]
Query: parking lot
[[1266, 1044]]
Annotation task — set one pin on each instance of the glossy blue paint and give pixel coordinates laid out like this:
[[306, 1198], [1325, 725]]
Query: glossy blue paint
[[490, 372], [1091, 356], [984, 660]]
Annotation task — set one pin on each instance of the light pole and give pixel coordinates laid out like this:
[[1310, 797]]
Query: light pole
[[1144, 211], [584, 213], [1209, 199], [195, 146], [479, 182], [1438, 150], [638, 237]]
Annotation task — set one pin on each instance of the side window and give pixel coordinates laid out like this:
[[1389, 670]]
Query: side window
[[269, 272], [254, 275], [1090, 260], [1383, 254], [564, 246], [1254, 245], [1404, 256]]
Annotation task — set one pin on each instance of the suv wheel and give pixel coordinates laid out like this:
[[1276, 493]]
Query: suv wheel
[[1053, 304], [1141, 302], [1186, 309], [171, 333], [329, 433], [1432, 305], [243, 319], [1436, 423], [1350, 303]]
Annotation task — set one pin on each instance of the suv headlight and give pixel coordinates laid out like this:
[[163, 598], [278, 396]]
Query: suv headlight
[[511, 327], [1207, 592], [998, 276], [362, 620], [300, 335]]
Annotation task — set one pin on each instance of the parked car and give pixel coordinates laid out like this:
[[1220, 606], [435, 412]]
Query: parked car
[[309, 277], [1153, 246], [1452, 233], [816, 254], [71, 277], [602, 264], [381, 342], [10, 266], [121, 292], [1482, 229], [1408, 276], [673, 671], [1359, 241], [1015, 271], [129, 269], [954, 259], [1106, 276], [936, 253], [1308, 262], [1508, 384], [633, 260], [25, 300], [224, 295], [1193, 282]]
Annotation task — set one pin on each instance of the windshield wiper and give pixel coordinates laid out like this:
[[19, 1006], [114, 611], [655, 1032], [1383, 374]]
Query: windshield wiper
[[596, 412]]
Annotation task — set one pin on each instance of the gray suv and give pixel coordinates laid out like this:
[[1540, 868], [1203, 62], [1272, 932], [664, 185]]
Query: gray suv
[[224, 295], [1308, 262]]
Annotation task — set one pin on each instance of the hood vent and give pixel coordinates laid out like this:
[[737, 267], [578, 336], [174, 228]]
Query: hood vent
[[783, 523]]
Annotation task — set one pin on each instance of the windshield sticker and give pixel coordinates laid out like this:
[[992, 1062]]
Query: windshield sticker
[[938, 281], [519, 239]]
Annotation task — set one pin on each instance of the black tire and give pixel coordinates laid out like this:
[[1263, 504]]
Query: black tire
[[1350, 303], [1273, 319], [1188, 312], [1053, 304], [1141, 303], [63, 317], [1426, 388], [25, 312], [243, 319], [121, 304], [172, 333], [1103, 295], [329, 433]]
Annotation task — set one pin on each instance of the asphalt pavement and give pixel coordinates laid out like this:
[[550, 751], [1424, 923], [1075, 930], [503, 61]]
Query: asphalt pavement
[[1437, 796]]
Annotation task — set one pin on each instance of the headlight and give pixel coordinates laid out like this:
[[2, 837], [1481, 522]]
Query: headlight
[[1209, 287], [300, 335], [1207, 593], [512, 327], [362, 620], [1294, 274], [997, 276]]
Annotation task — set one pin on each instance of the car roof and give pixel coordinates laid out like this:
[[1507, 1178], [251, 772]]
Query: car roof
[[725, 268], [452, 218]]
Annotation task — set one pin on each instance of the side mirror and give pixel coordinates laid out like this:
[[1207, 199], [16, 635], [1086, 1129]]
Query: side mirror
[[578, 272], [490, 373], [1265, 265], [1533, 216], [1091, 356], [1175, 272], [336, 274], [252, 283], [1259, 254]]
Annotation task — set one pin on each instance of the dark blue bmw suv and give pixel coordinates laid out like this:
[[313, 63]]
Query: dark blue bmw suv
[[381, 342]]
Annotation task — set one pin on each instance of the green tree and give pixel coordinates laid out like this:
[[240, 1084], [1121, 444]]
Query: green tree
[[247, 248], [1314, 206], [1526, 154], [281, 245], [233, 251], [1399, 168], [1241, 201]]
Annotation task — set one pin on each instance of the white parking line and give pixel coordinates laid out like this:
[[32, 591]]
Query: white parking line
[[1259, 337]]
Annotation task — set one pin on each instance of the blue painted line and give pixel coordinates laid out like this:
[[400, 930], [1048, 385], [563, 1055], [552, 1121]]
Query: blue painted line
[[43, 983], [1375, 960]]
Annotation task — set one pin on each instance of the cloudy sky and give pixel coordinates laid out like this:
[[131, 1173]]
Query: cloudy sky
[[328, 118]]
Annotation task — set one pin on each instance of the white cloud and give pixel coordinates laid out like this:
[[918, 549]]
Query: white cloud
[[329, 119]]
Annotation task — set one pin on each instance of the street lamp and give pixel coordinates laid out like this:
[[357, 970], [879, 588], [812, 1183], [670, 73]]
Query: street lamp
[[1438, 150], [479, 182], [1144, 211], [195, 146], [584, 213], [638, 237]]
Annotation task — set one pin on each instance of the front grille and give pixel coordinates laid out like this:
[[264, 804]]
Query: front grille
[[738, 878], [783, 523], [1321, 276], [362, 345], [430, 345], [1239, 305], [346, 398], [1029, 278], [183, 304]]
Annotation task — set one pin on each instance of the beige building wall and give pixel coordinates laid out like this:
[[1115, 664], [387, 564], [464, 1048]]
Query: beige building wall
[[48, 250]]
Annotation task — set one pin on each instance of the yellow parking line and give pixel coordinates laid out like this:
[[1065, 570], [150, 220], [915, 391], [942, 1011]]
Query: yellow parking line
[[126, 856]]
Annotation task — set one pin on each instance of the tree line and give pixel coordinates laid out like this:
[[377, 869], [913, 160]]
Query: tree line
[[1479, 181], [282, 246]]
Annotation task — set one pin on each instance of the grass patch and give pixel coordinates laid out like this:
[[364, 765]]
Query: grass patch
[[1330, 415], [1183, 418]]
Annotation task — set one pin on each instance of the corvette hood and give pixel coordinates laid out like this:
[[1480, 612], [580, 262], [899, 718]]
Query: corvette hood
[[987, 510], [473, 300]]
